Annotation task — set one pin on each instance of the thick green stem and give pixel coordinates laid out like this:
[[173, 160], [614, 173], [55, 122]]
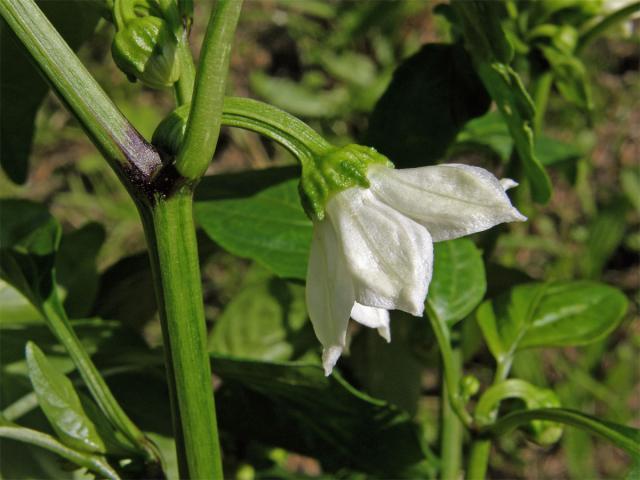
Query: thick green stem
[[451, 374], [171, 237], [56, 318], [479, 459], [452, 429], [203, 126], [124, 148]]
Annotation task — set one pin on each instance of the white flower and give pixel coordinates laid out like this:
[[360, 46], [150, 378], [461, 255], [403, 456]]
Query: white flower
[[373, 251]]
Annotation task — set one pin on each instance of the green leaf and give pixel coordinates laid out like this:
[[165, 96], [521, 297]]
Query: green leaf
[[15, 308], [459, 282], [269, 227], [606, 232], [92, 462], [550, 315], [265, 320], [125, 291], [491, 51], [76, 269], [506, 89], [22, 89], [29, 239], [491, 131], [296, 407], [299, 99], [482, 25], [570, 77], [61, 404], [431, 96], [627, 438]]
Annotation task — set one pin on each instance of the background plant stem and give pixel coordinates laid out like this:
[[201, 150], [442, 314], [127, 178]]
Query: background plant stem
[[451, 377], [452, 428], [58, 322], [171, 237]]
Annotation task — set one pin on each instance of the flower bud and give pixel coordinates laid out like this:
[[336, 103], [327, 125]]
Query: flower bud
[[146, 49]]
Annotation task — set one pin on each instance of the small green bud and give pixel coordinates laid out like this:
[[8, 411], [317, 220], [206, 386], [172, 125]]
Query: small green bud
[[169, 134], [146, 49], [469, 386], [334, 171]]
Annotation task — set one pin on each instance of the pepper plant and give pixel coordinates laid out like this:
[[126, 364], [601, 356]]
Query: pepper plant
[[373, 229]]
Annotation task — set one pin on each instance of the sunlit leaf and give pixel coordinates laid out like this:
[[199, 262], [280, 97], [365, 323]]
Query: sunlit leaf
[[550, 315], [458, 283], [269, 227], [61, 404]]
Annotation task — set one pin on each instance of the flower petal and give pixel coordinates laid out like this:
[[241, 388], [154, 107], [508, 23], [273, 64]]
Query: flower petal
[[329, 293], [450, 200], [389, 256], [373, 318]]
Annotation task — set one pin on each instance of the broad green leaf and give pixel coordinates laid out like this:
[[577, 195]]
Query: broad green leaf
[[269, 227], [29, 239], [21, 87], [550, 315], [431, 96], [76, 269], [61, 404], [296, 407], [459, 282], [627, 438], [266, 320]]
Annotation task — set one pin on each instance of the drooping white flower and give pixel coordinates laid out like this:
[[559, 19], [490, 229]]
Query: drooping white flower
[[373, 250]]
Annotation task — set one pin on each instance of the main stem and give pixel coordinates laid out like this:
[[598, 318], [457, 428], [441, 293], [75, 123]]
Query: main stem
[[171, 237]]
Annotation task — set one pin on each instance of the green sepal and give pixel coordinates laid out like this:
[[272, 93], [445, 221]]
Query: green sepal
[[334, 171], [146, 49]]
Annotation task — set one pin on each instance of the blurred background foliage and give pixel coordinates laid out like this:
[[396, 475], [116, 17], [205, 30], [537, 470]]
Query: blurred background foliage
[[329, 63]]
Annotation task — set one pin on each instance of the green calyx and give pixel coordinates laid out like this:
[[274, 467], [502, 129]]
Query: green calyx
[[335, 171], [145, 46]]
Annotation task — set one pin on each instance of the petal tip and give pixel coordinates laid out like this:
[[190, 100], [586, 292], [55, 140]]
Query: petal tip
[[508, 183], [385, 332], [330, 356]]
